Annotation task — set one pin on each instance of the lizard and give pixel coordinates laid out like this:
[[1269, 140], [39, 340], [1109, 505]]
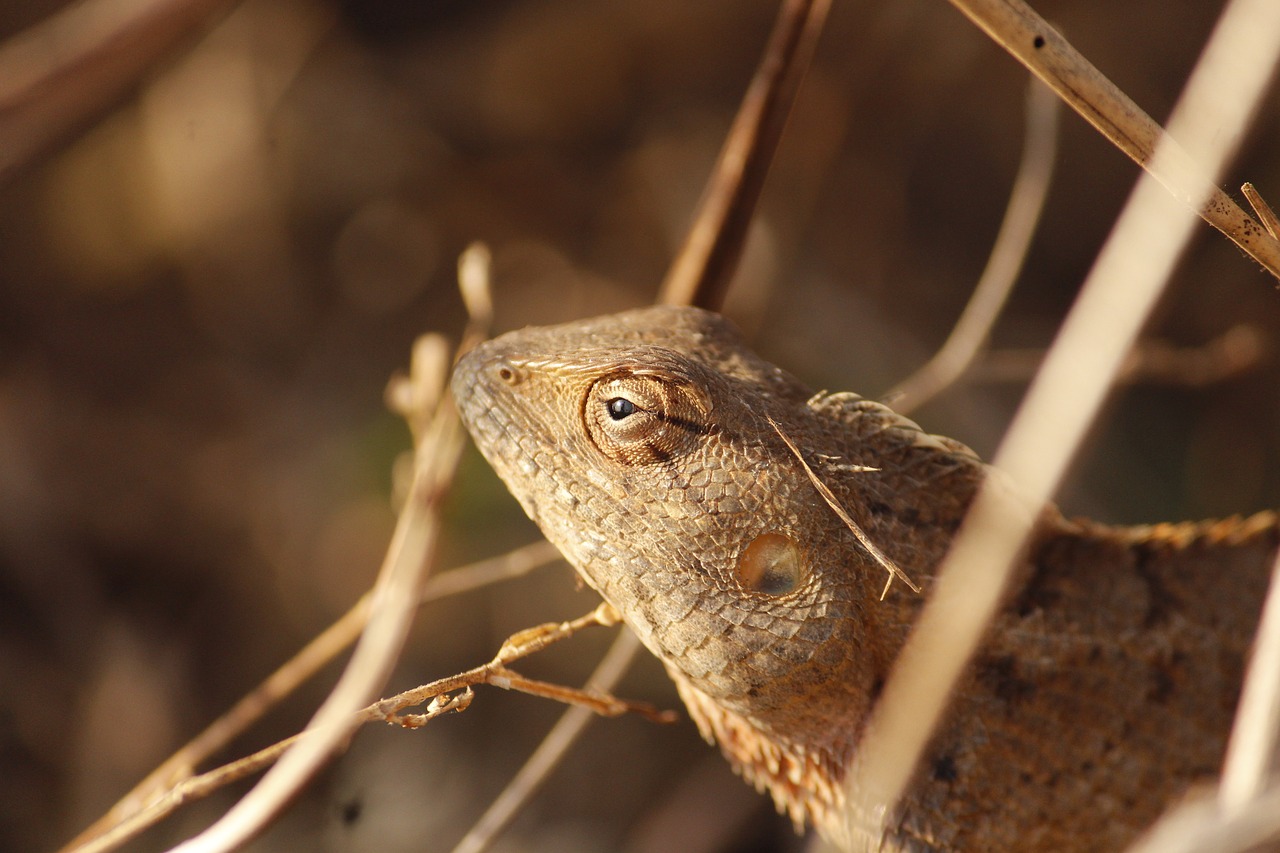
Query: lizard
[[651, 448]]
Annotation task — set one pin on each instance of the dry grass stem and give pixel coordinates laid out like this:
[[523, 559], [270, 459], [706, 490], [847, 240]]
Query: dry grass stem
[[169, 784], [437, 448], [1199, 827], [827, 495], [1026, 202], [1265, 214], [704, 266], [497, 674], [1030, 39], [393, 604], [444, 696], [73, 67], [1211, 115], [1251, 752], [1232, 353], [551, 750], [473, 284]]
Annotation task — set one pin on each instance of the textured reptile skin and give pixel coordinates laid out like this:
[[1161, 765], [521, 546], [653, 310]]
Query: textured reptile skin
[[642, 445]]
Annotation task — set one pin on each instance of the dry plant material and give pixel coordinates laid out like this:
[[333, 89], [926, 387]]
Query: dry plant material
[[1228, 82], [172, 783], [704, 266], [1251, 753], [1021, 217], [832, 501], [441, 697], [1017, 28], [1266, 215], [393, 604], [73, 67], [496, 673], [1152, 361], [537, 769]]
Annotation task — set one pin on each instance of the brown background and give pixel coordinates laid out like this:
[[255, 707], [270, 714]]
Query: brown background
[[202, 298]]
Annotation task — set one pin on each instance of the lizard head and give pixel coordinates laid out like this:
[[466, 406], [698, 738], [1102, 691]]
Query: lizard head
[[648, 447]]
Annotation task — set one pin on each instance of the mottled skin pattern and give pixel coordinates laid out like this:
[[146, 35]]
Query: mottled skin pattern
[[640, 444]]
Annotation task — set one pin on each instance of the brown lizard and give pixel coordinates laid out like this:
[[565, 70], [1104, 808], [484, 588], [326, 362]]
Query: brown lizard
[[648, 447]]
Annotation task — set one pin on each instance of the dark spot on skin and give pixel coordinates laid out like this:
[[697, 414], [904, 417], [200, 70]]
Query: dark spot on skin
[[878, 508], [1165, 678], [700, 567], [1038, 42], [945, 770], [1040, 592], [1230, 665], [659, 453], [1161, 687], [689, 426], [1161, 603], [1000, 676], [753, 692]]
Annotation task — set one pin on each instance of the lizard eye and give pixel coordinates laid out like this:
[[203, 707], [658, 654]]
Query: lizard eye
[[620, 407], [642, 419]]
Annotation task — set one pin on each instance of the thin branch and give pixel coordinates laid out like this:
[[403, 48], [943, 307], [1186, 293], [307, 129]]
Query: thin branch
[[1232, 353], [167, 780], [550, 751], [705, 264], [1227, 83], [496, 673], [438, 446], [1018, 29], [73, 67], [394, 602], [1251, 752], [1021, 217], [1265, 214], [827, 495], [443, 696], [1198, 827]]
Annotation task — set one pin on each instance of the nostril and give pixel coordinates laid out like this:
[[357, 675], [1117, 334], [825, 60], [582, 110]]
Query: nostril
[[507, 374]]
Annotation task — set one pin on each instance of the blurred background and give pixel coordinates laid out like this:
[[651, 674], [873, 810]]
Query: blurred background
[[203, 295]]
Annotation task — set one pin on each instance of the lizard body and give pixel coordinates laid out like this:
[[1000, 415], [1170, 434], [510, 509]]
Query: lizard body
[[647, 447]]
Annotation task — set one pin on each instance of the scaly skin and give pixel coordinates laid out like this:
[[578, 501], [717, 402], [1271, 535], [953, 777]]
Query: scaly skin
[[641, 444]]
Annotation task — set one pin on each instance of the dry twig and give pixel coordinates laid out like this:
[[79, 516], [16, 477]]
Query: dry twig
[[1017, 28], [1231, 77], [1266, 215], [73, 67], [1251, 752], [829, 497], [168, 785], [704, 266], [443, 696], [550, 751], [1021, 216], [1232, 353], [393, 604]]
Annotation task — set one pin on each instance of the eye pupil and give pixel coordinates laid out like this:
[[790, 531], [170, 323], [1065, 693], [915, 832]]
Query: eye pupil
[[620, 407]]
